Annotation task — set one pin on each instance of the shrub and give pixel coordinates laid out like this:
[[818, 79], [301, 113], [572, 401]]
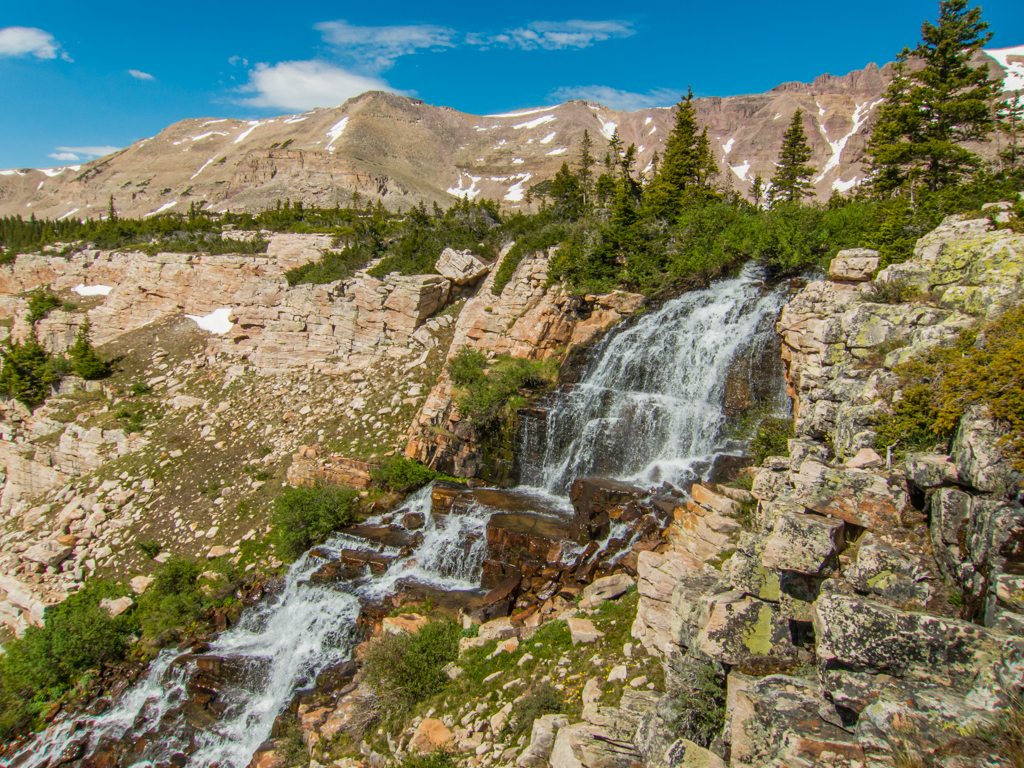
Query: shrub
[[541, 699], [150, 548], [400, 474], [29, 371], [173, 599], [140, 388], [304, 517], [439, 758], [484, 393], [893, 292], [695, 709], [771, 439], [84, 360], [406, 668], [40, 303]]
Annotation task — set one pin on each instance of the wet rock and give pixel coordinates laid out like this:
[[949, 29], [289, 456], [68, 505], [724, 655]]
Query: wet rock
[[413, 520], [597, 501]]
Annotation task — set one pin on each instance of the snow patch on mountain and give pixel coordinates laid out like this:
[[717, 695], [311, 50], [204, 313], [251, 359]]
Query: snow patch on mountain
[[92, 290], [217, 322], [469, 192], [1014, 78], [741, 170], [859, 117], [515, 192], [335, 133], [162, 208], [547, 139], [203, 166], [559, 151], [844, 186], [607, 127], [535, 123], [524, 112], [727, 147], [253, 125]]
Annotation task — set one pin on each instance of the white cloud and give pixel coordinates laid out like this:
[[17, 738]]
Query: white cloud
[[21, 41], [87, 151], [139, 75], [302, 85], [617, 99], [376, 48], [555, 35], [69, 156], [235, 60]]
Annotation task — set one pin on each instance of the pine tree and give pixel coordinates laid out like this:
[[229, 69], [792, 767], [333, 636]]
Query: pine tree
[[1010, 120], [84, 360], [111, 213], [585, 174], [567, 194], [686, 167], [615, 151], [938, 108], [791, 181], [757, 190]]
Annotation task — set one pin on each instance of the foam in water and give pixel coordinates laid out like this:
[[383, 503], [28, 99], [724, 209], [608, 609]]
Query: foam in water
[[649, 407]]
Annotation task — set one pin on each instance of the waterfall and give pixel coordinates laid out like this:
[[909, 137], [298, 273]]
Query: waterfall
[[649, 406]]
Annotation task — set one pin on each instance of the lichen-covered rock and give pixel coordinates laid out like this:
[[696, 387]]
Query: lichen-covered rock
[[659, 574], [804, 543], [870, 500], [542, 741], [740, 630], [888, 573]]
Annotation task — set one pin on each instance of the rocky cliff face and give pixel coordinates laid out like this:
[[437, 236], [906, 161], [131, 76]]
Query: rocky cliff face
[[402, 151]]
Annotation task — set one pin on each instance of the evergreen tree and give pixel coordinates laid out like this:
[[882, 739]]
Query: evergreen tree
[[686, 166], [939, 107], [84, 360], [585, 174], [111, 213], [567, 194], [615, 152], [791, 181], [1010, 120], [757, 190], [27, 372]]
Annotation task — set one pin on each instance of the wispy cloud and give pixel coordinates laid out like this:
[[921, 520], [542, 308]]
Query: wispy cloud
[[617, 99], [89, 152], [140, 75], [29, 41], [301, 85], [64, 156], [236, 60], [555, 35], [374, 49]]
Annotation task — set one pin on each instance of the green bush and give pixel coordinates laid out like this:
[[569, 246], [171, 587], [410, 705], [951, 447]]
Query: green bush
[[304, 517], [41, 666], [484, 392], [406, 668], [40, 303], [174, 599], [695, 708], [333, 265], [29, 371], [140, 388], [84, 360], [771, 439], [439, 758], [541, 699], [400, 474]]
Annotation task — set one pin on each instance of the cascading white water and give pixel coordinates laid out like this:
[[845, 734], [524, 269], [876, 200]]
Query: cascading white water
[[280, 646], [649, 407]]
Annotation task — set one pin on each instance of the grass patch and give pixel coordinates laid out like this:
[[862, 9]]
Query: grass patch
[[771, 439], [486, 389]]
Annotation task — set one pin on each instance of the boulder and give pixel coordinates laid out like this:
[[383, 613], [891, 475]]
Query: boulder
[[583, 631], [928, 470], [604, 589], [888, 573], [140, 584], [854, 265], [866, 458], [804, 543], [48, 553], [116, 607], [406, 622], [856, 496], [714, 501], [590, 746], [461, 267], [430, 734], [740, 630], [659, 574], [542, 741]]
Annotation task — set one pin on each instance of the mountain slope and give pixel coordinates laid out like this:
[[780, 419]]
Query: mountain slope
[[403, 151]]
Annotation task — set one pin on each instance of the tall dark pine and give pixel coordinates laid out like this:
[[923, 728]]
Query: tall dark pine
[[586, 161], [686, 168], [1010, 119], [791, 181], [938, 108]]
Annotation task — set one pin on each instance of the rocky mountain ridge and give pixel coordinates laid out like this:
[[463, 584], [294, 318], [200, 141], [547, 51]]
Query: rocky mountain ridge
[[402, 151]]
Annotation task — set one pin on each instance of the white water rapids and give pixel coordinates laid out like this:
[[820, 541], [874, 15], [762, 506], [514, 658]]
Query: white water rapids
[[649, 409]]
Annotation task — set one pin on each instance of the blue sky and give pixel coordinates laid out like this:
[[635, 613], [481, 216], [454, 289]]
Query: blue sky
[[79, 79]]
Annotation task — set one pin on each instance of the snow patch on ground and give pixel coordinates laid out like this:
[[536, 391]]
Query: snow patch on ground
[[517, 161], [469, 192], [535, 123], [653, 129], [73, 210], [295, 119], [336, 131], [523, 112], [559, 151], [844, 186], [253, 125], [727, 147], [648, 121], [11, 173], [203, 166], [607, 128], [40, 185], [53, 171], [208, 133], [162, 208], [859, 117], [217, 322], [741, 170], [211, 122], [515, 192], [92, 290], [1014, 79], [549, 138]]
